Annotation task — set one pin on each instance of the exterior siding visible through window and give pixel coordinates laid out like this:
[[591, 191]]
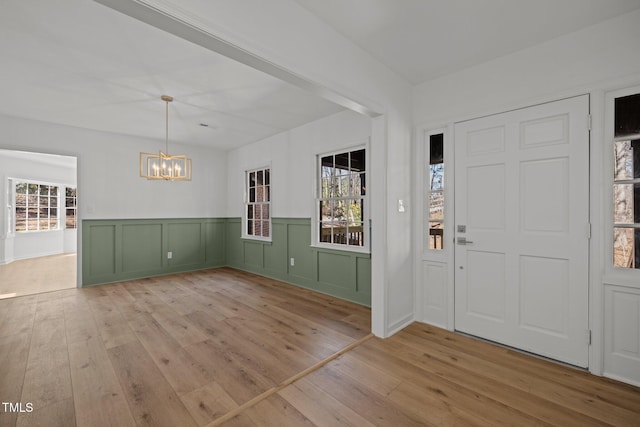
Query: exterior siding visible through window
[[342, 198], [36, 207], [258, 205]]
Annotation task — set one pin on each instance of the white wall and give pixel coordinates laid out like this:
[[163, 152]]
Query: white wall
[[594, 60], [38, 168], [109, 185], [292, 156]]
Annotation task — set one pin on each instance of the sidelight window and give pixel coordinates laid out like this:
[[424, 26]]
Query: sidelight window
[[626, 182], [435, 191]]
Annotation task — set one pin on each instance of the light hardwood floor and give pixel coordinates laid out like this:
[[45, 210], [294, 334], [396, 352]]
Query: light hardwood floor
[[223, 347], [37, 275]]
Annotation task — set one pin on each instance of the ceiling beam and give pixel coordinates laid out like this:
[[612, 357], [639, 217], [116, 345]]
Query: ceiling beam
[[149, 14]]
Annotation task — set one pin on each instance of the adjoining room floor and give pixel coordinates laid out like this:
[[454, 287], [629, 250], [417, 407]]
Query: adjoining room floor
[[223, 347], [37, 275]]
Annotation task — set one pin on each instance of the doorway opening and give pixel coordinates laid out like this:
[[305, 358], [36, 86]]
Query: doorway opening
[[38, 238]]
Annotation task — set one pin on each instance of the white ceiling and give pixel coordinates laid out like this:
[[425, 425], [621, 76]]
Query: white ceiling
[[78, 63], [425, 39]]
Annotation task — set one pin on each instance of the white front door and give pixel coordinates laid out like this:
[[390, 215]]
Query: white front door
[[522, 196]]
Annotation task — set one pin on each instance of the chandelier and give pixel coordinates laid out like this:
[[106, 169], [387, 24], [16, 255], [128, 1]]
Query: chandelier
[[163, 165]]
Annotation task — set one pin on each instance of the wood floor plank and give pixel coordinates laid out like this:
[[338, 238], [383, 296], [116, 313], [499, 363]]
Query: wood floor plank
[[522, 404], [320, 407], [112, 326], [14, 351], [208, 403], [620, 394], [179, 327], [58, 414], [180, 369], [275, 411], [368, 403], [551, 391], [102, 405], [151, 398], [47, 379], [238, 380], [19, 316]]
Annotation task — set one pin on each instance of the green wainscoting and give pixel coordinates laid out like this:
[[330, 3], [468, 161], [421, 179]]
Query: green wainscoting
[[343, 274], [115, 250]]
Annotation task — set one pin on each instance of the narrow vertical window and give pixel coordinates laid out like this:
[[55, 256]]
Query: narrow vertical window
[[258, 205], [626, 182], [71, 209], [435, 192], [341, 201]]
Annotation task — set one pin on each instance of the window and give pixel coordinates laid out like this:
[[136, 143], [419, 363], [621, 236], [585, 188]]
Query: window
[[36, 207], [626, 182], [342, 196], [258, 205], [435, 192], [71, 208]]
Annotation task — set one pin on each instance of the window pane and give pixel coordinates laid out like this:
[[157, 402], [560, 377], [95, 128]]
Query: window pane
[[252, 179], [267, 177], [358, 161], [32, 188], [436, 240], [70, 192], [250, 212], [259, 178], [21, 188], [342, 163], [326, 188], [627, 160], [326, 212], [626, 201], [340, 233], [252, 195], [436, 177], [355, 212], [436, 149], [21, 200], [250, 227], [265, 229], [627, 115], [626, 242], [325, 233], [355, 236], [436, 205], [342, 186], [44, 201]]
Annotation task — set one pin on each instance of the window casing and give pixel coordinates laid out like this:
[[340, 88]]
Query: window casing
[[342, 200], [258, 204], [36, 207]]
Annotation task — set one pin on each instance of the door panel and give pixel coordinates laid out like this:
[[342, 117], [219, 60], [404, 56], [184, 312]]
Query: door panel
[[522, 186]]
